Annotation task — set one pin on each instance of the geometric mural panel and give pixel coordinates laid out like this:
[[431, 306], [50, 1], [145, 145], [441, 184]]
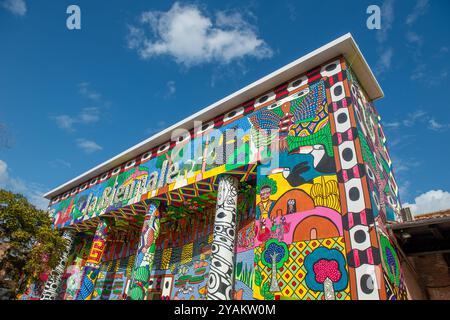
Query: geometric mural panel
[[291, 276]]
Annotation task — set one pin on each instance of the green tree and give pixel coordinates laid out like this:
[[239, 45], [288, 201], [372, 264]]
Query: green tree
[[28, 244]]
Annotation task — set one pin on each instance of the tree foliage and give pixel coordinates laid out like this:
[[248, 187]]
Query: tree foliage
[[30, 246], [277, 249], [267, 182]]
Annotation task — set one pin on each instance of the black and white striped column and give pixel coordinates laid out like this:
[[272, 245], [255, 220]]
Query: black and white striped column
[[53, 283], [221, 273]]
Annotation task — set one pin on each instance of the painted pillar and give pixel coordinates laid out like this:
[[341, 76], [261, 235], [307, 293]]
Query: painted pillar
[[54, 280], [363, 254], [221, 273], [93, 262], [137, 290]]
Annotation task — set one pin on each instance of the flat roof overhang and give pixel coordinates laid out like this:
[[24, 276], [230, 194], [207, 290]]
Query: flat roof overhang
[[344, 45], [423, 236], [204, 191]]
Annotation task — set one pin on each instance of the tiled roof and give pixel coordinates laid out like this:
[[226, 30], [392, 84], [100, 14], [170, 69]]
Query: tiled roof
[[433, 215], [438, 217]]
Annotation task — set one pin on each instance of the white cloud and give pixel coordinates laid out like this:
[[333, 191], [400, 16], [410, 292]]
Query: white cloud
[[419, 72], [6, 140], [3, 172], [86, 91], [385, 53], [420, 9], [86, 116], [385, 61], [401, 141], [424, 75], [403, 187], [418, 116], [437, 126], [414, 38], [190, 37], [17, 7], [395, 124], [89, 115], [65, 122], [433, 200], [292, 11], [88, 146], [401, 167], [387, 20], [33, 191], [413, 117], [35, 194], [171, 88], [160, 125], [405, 165], [60, 163]]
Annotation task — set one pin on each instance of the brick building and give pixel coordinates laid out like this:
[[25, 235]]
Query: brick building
[[424, 242]]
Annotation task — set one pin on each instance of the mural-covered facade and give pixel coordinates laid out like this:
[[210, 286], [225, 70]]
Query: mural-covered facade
[[284, 197]]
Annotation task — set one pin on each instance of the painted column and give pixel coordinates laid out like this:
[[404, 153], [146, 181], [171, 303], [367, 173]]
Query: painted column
[[137, 290], [360, 235], [93, 262], [221, 274], [54, 280]]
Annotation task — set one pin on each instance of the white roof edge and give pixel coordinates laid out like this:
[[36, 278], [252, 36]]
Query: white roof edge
[[344, 45]]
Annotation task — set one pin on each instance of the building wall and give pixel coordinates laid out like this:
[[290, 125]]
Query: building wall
[[324, 192], [384, 195], [329, 199], [75, 266], [434, 275], [415, 288], [207, 151], [116, 267], [244, 272], [382, 186], [298, 211], [181, 263]]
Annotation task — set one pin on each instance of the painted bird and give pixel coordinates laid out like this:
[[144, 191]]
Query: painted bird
[[322, 162], [294, 176]]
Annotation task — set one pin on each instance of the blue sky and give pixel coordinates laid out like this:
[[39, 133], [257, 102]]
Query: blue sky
[[71, 99]]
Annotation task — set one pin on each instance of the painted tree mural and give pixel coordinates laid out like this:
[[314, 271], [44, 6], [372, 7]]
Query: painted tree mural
[[326, 271], [274, 256]]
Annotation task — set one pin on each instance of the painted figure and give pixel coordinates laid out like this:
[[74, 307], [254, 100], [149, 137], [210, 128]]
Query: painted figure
[[266, 188]]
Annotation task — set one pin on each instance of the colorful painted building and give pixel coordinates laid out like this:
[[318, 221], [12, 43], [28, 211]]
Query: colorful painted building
[[281, 190]]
